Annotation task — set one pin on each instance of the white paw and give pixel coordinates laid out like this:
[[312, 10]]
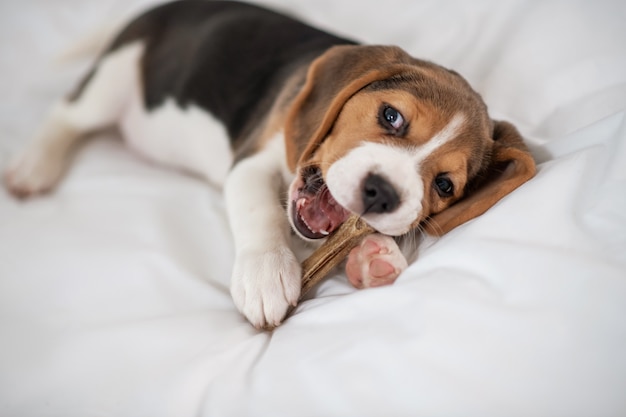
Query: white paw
[[264, 284], [375, 262], [34, 171]]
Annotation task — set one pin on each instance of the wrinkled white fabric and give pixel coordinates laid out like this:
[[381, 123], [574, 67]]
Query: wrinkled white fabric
[[114, 289]]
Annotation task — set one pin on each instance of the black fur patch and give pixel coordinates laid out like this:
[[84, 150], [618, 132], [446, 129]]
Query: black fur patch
[[229, 58]]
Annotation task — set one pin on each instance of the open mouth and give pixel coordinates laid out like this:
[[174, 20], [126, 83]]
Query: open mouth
[[314, 211]]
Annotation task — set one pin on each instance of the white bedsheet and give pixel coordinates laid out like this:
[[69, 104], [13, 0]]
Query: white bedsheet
[[114, 289]]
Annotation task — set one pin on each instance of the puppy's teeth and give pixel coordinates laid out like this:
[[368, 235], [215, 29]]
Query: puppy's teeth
[[300, 203], [324, 232], [307, 226]]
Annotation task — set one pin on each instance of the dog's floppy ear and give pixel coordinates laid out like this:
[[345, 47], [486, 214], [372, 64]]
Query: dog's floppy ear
[[511, 165], [331, 80]]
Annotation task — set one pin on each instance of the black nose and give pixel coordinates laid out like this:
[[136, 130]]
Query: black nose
[[378, 195]]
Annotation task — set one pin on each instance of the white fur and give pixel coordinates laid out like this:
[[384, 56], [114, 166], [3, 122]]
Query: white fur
[[444, 136], [189, 139], [41, 164], [399, 165], [185, 138], [266, 275]]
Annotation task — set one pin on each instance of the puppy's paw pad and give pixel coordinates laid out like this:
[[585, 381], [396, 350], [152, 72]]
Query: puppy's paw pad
[[381, 268], [375, 262], [264, 284]]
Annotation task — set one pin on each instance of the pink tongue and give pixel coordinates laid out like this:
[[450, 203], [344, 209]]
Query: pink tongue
[[323, 214]]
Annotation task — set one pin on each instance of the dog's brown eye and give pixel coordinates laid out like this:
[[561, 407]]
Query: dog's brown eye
[[392, 120], [443, 186]]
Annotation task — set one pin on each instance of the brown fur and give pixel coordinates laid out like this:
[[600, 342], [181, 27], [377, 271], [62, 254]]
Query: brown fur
[[336, 110]]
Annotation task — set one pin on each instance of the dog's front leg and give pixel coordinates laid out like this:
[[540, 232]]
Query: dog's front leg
[[266, 277]]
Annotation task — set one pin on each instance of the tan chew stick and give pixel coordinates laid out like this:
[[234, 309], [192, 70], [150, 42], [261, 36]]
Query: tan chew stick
[[336, 248], [333, 251]]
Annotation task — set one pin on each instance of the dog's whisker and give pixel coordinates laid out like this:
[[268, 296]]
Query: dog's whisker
[[432, 224]]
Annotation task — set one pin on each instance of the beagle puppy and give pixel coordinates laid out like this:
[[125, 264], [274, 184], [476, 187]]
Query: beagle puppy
[[300, 127]]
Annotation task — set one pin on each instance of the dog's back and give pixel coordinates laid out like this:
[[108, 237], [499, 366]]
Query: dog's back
[[189, 83], [229, 58]]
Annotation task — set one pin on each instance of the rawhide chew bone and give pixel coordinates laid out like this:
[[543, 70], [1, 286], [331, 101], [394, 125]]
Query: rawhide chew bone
[[336, 248], [333, 251]]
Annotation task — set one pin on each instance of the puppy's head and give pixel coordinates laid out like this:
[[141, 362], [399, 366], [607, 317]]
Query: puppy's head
[[399, 141]]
